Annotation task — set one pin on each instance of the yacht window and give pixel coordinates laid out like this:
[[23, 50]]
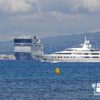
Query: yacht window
[[63, 53], [86, 57], [86, 53], [95, 57], [92, 50], [95, 53]]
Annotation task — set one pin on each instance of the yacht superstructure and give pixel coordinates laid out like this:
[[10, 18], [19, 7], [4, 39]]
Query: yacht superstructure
[[85, 53]]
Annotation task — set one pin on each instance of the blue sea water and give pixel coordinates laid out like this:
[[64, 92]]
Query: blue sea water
[[34, 80]]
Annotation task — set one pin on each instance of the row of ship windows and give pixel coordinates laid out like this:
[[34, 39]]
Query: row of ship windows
[[22, 44], [82, 53], [74, 57]]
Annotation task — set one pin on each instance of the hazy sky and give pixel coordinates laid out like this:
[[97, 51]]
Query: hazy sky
[[48, 17]]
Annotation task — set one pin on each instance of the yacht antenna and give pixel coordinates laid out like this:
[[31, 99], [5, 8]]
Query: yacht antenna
[[85, 37]]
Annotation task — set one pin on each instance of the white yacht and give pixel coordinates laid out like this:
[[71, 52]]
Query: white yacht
[[84, 53]]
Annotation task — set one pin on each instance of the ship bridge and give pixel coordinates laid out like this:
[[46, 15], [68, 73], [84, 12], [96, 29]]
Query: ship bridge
[[86, 46]]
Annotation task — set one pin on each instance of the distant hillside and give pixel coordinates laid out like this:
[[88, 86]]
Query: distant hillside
[[6, 47], [57, 43]]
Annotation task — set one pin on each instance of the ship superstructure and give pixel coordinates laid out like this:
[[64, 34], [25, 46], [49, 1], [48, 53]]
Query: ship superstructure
[[84, 53], [25, 47]]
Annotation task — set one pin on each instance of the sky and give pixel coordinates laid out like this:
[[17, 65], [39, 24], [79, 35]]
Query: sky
[[48, 17]]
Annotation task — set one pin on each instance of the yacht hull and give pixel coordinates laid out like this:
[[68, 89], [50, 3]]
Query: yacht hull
[[47, 58]]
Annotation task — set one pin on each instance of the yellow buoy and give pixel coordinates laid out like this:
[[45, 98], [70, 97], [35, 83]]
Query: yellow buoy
[[57, 71]]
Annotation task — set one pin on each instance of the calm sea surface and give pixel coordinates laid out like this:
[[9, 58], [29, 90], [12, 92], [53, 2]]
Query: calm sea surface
[[33, 80]]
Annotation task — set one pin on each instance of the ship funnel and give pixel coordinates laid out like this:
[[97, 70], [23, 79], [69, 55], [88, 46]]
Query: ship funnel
[[85, 38]]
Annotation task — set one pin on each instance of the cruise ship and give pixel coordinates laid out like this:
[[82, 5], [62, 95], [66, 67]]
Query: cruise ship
[[26, 46], [84, 53]]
